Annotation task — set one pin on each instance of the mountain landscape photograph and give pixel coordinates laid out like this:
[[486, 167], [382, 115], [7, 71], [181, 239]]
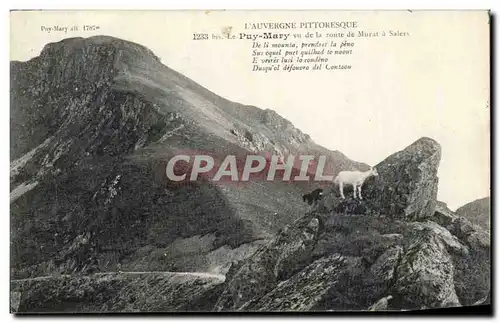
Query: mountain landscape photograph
[[98, 226]]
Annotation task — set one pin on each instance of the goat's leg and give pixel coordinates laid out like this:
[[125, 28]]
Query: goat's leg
[[359, 192], [354, 190], [341, 189]]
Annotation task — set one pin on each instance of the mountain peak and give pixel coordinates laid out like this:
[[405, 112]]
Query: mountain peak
[[68, 46], [427, 143]]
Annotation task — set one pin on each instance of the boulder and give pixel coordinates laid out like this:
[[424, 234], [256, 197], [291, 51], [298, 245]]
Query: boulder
[[383, 270], [406, 187], [442, 236], [407, 183], [473, 271], [297, 252], [472, 234], [443, 215], [381, 276], [324, 283], [425, 275], [285, 255]]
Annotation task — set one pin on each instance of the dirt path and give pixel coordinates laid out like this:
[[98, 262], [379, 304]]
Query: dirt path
[[194, 274]]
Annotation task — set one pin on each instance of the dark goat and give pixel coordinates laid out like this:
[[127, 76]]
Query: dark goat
[[313, 197]]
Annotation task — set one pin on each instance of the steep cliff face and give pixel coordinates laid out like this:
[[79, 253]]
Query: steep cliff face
[[351, 255], [61, 92], [93, 123]]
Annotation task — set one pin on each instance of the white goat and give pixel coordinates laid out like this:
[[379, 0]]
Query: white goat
[[354, 178]]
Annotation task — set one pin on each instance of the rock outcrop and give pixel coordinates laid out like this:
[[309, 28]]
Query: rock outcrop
[[425, 273], [407, 183], [406, 187], [325, 281], [288, 253], [443, 215], [399, 249], [356, 261], [472, 271]]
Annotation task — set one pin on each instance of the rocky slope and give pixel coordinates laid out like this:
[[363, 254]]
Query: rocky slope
[[93, 123], [93, 216], [330, 259], [477, 212], [116, 292], [365, 255]]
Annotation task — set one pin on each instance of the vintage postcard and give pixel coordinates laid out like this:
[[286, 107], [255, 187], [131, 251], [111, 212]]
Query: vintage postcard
[[249, 161]]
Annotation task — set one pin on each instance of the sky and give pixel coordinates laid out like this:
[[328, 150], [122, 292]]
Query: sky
[[432, 83]]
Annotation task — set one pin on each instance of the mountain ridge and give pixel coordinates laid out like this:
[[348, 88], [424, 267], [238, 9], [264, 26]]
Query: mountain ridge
[[477, 211], [93, 123], [131, 83]]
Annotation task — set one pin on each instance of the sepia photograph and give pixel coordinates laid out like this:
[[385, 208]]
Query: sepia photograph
[[221, 161]]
